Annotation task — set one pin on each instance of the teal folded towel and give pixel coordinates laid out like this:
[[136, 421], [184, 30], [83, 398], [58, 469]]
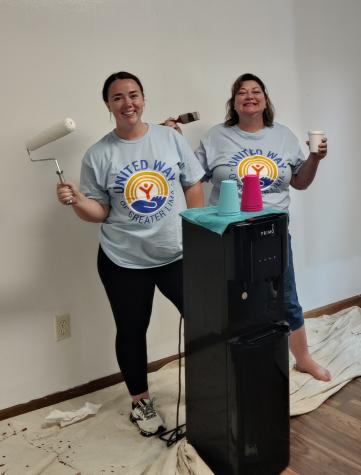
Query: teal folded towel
[[208, 218]]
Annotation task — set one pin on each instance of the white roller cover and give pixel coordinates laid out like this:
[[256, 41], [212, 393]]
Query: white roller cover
[[49, 135]]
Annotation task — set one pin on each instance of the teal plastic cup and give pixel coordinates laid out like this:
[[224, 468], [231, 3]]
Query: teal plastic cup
[[228, 203]]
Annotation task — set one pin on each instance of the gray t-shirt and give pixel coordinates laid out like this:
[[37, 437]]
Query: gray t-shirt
[[141, 180], [274, 153]]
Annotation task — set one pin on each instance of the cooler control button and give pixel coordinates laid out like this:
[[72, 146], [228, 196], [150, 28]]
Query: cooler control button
[[244, 295]]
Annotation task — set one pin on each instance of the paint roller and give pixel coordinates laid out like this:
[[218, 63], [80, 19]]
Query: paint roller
[[186, 118], [55, 132]]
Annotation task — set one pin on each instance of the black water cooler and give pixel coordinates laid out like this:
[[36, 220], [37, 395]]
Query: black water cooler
[[236, 346]]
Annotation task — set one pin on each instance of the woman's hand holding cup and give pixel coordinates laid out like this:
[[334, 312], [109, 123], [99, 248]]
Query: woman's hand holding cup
[[317, 143]]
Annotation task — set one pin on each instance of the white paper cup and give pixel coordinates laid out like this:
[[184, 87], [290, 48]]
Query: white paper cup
[[315, 138]]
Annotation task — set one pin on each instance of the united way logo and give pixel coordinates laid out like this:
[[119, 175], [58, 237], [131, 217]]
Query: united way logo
[[259, 165], [146, 192]]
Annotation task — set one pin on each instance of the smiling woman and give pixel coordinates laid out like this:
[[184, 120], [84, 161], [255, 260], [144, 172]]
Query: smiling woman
[[250, 142], [249, 95], [250, 99], [135, 181], [125, 100]]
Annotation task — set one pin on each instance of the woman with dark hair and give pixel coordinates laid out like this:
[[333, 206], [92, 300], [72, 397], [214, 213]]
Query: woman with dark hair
[[232, 117], [250, 142], [135, 181]]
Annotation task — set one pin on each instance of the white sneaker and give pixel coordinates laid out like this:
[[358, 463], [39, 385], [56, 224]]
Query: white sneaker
[[146, 418]]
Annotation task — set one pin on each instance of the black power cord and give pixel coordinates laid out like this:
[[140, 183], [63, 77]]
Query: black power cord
[[172, 436]]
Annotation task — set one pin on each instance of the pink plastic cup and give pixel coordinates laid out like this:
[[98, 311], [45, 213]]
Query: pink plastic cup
[[251, 194]]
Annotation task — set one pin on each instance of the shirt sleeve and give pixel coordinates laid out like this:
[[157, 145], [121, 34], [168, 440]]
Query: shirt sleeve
[[89, 184], [201, 155], [298, 157], [191, 171]]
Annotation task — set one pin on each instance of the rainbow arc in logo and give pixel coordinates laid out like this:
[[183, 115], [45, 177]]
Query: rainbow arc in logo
[[260, 165], [146, 192]]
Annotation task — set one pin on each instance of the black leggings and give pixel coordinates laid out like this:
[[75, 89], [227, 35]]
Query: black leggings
[[130, 293]]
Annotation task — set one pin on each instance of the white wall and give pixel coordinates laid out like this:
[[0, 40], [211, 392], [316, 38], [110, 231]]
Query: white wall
[[55, 55], [328, 228]]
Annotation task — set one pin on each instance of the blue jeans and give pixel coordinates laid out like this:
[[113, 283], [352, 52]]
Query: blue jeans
[[292, 308]]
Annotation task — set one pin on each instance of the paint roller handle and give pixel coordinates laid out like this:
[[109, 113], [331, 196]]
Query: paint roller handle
[[61, 179], [66, 191], [60, 175]]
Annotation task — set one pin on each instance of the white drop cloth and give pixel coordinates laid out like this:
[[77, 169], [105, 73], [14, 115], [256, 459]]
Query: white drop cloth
[[109, 444]]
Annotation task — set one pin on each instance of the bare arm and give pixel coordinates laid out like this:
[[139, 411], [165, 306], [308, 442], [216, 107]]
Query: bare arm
[[86, 208], [308, 170], [194, 195]]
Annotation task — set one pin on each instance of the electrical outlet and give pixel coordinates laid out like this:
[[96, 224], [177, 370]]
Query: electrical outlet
[[62, 327]]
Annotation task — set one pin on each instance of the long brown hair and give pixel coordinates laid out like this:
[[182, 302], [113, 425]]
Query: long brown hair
[[232, 116]]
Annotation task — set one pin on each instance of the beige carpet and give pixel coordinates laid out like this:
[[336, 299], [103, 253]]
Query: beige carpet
[[108, 443]]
